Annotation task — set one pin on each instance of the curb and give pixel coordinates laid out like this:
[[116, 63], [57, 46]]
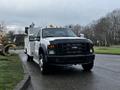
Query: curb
[[23, 85]]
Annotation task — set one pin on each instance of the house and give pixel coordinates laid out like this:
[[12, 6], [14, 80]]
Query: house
[[19, 39]]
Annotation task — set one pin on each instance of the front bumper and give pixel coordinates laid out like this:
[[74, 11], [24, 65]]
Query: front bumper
[[70, 59]]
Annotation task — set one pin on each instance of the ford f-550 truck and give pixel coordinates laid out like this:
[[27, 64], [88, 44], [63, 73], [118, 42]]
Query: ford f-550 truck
[[58, 46]]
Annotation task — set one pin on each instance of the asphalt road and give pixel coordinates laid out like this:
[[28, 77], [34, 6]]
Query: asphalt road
[[104, 76]]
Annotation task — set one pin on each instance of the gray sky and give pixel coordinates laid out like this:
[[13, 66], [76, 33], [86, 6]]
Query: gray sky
[[58, 12]]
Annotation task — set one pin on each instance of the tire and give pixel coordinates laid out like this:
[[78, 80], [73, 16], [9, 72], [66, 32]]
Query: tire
[[88, 67], [25, 51], [29, 58], [42, 64]]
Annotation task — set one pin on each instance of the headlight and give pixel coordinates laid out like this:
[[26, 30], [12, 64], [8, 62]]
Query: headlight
[[51, 52], [51, 46], [91, 50], [51, 49]]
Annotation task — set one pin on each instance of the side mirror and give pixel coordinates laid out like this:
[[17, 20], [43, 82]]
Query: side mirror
[[82, 35]]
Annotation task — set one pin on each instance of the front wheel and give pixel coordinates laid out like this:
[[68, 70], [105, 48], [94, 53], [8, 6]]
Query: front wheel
[[42, 64], [88, 67]]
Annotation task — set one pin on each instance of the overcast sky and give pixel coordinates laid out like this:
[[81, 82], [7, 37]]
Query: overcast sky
[[58, 12]]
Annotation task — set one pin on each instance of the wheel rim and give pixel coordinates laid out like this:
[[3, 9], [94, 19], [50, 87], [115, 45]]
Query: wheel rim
[[41, 62]]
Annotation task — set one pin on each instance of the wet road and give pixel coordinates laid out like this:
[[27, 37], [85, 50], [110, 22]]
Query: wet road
[[104, 76]]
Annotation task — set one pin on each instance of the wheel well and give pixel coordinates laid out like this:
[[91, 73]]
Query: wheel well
[[41, 51]]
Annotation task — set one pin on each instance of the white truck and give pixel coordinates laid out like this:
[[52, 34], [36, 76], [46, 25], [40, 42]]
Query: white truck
[[58, 46]]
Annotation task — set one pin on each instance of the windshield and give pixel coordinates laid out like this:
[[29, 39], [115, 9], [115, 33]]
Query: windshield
[[57, 32]]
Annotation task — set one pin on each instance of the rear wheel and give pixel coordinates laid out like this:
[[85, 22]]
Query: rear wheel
[[88, 67], [25, 51], [29, 58], [42, 64]]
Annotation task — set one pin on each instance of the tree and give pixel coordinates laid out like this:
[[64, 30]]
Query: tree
[[75, 28], [3, 38], [105, 30]]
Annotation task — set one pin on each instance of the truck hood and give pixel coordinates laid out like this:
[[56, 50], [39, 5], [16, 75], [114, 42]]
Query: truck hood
[[59, 38], [56, 40]]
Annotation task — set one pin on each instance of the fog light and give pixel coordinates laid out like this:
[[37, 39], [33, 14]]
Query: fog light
[[51, 52], [91, 50]]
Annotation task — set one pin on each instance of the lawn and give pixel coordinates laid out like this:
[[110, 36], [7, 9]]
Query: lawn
[[11, 71], [107, 50]]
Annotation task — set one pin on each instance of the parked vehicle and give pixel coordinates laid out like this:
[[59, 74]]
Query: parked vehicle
[[5, 44]]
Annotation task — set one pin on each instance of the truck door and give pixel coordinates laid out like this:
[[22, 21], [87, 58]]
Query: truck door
[[37, 43]]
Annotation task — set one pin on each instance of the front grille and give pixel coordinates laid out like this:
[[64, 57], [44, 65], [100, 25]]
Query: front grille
[[73, 48]]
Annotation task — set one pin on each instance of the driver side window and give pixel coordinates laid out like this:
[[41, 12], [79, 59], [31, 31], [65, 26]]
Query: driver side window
[[38, 36]]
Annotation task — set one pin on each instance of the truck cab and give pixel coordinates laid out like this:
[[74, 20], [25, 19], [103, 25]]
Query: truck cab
[[58, 46]]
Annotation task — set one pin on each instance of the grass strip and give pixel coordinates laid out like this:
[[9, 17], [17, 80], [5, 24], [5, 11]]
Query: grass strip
[[107, 50], [11, 71]]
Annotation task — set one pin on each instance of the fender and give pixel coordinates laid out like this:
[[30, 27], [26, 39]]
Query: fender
[[43, 49]]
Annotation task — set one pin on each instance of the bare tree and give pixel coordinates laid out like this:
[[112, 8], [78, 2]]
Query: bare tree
[[106, 30]]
